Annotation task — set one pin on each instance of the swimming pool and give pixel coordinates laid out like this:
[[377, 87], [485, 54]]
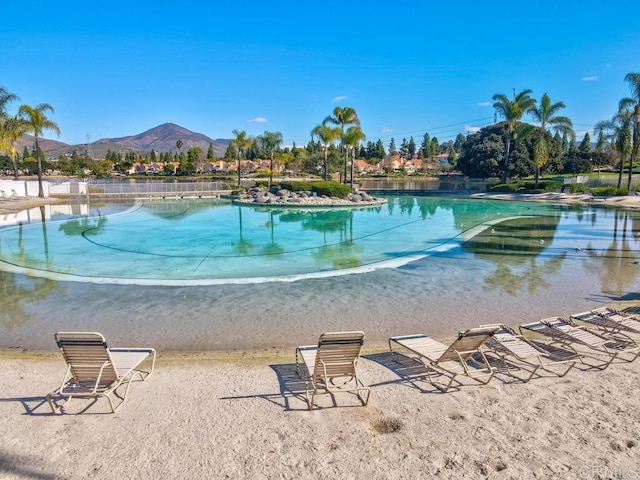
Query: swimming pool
[[202, 274]]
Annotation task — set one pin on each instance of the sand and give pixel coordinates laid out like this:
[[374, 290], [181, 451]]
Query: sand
[[244, 416]]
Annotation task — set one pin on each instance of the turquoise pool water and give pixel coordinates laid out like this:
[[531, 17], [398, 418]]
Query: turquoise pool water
[[197, 241], [203, 275]]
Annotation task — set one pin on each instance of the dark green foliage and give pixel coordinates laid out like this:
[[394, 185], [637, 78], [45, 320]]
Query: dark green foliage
[[483, 152], [577, 162], [330, 189], [543, 186]]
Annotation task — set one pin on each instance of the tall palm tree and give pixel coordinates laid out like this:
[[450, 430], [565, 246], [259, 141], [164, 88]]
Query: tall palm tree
[[619, 130], [352, 138], [343, 116], [326, 135], [240, 143], [512, 111], [7, 142], [37, 122], [270, 142], [10, 130], [546, 114], [633, 103]]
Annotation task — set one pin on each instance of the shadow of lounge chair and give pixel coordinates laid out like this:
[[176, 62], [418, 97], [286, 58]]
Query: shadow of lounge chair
[[519, 353], [566, 332], [452, 360], [331, 366], [95, 370]]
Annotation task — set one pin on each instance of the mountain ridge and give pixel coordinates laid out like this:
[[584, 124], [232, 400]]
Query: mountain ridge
[[162, 138]]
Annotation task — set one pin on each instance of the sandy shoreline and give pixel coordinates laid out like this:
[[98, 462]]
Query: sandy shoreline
[[217, 419]]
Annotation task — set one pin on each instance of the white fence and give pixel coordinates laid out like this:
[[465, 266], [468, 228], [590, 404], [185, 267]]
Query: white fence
[[22, 188]]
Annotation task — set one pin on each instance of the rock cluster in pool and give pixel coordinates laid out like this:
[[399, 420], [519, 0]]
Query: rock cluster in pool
[[256, 196]]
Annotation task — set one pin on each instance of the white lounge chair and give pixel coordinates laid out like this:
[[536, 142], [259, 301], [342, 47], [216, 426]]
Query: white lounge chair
[[452, 360], [95, 370], [517, 352], [331, 366], [566, 332]]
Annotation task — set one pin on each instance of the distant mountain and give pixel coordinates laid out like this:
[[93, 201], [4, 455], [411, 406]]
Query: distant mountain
[[162, 138]]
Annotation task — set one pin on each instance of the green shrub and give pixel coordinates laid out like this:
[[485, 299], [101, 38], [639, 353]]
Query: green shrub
[[296, 186], [543, 186], [577, 188], [330, 189], [609, 190], [504, 187]]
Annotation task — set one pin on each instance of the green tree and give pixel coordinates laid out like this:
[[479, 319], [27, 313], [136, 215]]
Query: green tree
[[10, 130], [343, 117], [352, 138], [392, 147], [240, 143], [620, 131], [270, 142], [512, 111], [585, 144], [210, 154], [633, 103], [326, 135], [546, 113], [37, 122]]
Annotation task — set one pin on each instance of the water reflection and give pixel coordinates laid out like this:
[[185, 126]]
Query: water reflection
[[617, 265], [515, 246]]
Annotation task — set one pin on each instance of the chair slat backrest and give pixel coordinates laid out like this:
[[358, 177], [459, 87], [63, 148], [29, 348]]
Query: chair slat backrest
[[568, 330], [336, 354], [467, 343], [507, 339], [87, 354]]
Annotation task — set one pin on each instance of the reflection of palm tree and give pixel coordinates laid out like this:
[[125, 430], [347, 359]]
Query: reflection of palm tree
[[273, 248], [18, 289], [84, 226], [15, 289], [341, 255], [614, 265], [242, 246], [514, 245]]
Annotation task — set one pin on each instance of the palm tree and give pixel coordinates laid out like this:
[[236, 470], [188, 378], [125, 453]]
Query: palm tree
[[37, 121], [546, 114], [352, 138], [619, 130], [512, 111], [343, 116], [326, 135], [240, 143], [10, 130], [8, 127], [271, 142], [633, 103], [5, 97]]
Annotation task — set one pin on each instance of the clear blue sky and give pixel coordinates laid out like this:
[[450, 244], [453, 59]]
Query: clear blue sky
[[112, 69]]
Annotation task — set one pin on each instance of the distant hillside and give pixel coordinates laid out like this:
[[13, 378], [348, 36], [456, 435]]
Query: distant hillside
[[162, 138]]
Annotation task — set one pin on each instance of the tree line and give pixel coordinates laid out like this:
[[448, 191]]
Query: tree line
[[513, 148]]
